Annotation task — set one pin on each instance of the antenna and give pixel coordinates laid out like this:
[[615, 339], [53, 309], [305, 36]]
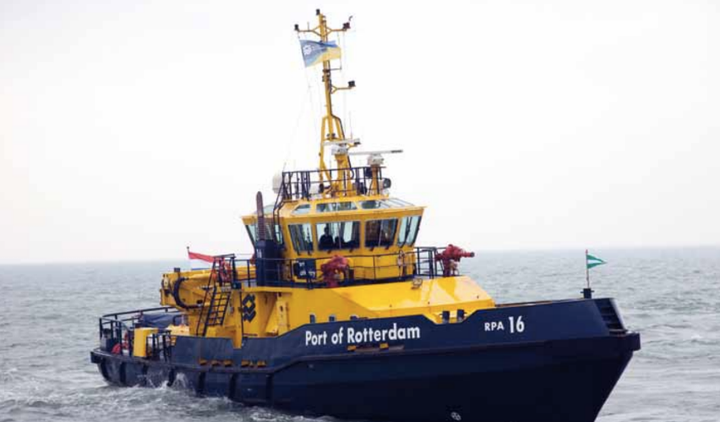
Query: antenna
[[388, 151], [332, 128]]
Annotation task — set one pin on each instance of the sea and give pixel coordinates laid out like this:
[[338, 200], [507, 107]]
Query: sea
[[48, 325]]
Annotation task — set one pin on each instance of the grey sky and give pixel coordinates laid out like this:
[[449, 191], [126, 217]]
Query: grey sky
[[129, 130]]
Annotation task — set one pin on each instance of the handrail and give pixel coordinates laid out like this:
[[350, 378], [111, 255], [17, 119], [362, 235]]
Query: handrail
[[423, 248], [295, 271], [116, 330], [141, 311], [298, 184]]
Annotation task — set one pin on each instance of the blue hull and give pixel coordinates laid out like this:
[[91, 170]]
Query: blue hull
[[561, 367]]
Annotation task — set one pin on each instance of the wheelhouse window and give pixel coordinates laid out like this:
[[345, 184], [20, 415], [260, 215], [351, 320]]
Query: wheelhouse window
[[279, 235], [374, 204], [380, 232], [338, 235], [381, 204], [252, 232], [336, 206], [408, 230], [301, 209], [399, 203], [301, 236]]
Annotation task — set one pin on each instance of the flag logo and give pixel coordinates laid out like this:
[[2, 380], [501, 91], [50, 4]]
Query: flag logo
[[593, 261], [316, 52]]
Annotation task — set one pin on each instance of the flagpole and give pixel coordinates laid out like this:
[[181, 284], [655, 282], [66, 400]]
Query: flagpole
[[587, 270], [587, 292]]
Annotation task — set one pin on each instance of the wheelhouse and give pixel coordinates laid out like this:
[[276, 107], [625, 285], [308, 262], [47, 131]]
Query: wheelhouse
[[310, 224]]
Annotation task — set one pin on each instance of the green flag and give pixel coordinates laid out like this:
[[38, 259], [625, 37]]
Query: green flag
[[593, 261]]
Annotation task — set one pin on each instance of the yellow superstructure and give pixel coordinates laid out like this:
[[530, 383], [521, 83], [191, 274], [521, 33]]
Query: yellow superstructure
[[334, 245]]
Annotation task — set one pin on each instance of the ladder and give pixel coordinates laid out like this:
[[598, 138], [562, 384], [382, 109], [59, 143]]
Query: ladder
[[217, 294]]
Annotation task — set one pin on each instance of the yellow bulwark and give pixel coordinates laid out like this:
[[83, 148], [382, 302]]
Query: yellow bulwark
[[333, 246]]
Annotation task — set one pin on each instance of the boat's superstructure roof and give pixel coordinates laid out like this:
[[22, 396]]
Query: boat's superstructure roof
[[352, 206]]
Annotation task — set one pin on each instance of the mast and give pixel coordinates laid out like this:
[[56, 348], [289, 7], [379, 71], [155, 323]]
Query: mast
[[332, 133]]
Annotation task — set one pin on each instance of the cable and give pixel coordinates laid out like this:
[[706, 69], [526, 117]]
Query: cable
[[307, 97]]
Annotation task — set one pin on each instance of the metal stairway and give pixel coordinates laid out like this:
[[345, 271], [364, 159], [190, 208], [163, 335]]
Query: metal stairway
[[217, 294]]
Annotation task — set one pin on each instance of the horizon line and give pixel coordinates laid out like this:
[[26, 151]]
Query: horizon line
[[489, 250]]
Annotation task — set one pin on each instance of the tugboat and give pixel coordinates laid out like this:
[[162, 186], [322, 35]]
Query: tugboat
[[338, 312]]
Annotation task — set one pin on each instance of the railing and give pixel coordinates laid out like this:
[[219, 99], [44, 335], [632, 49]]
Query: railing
[[306, 272], [116, 331], [428, 264], [159, 345], [303, 184]]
